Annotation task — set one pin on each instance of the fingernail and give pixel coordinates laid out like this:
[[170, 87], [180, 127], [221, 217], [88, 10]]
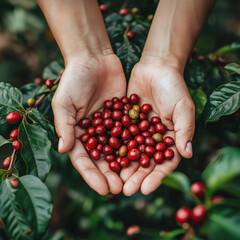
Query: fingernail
[[60, 144], [189, 147]]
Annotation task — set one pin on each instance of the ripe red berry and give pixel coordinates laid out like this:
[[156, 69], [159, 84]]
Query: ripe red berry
[[131, 35], [97, 121], [49, 83], [103, 8], [118, 106], [142, 148], [125, 100], [216, 199], [14, 134], [114, 166], [108, 104], [92, 142], [107, 114], [125, 112], [117, 124], [6, 162], [116, 115], [201, 59], [91, 131], [160, 128], [169, 141], [139, 139], [133, 230], [134, 154], [17, 145], [221, 61], [144, 162], [183, 215], [155, 120], [198, 214], [149, 141], [100, 130], [124, 11], [110, 158], [116, 131], [149, 150], [146, 134], [108, 123], [151, 129], [125, 134], [126, 121], [132, 144], [14, 182], [39, 81], [158, 157], [134, 99], [85, 123], [142, 116], [95, 154], [97, 114], [144, 125], [127, 106], [114, 142], [102, 139], [146, 108], [99, 147], [160, 147], [107, 150], [13, 117], [133, 129], [84, 137], [124, 162], [115, 99], [168, 154], [198, 189]]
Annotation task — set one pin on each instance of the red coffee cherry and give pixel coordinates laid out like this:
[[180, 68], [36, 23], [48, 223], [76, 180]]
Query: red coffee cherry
[[149, 150], [84, 137], [85, 123], [160, 147], [169, 154], [132, 230], [115, 99], [126, 121], [133, 129], [144, 125], [110, 158], [201, 59], [146, 108], [97, 114], [49, 83], [194, 52], [142, 116], [92, 142], [149, 141], [14, 134], [99, 147], [107, 114], [125, 134], [95, 154], [14, 182], [97, 121], [216, 199], [134, 99], [17, 145], [91, 131], [116, 131], [118, 159], [169, 141], [6, 162], [124, 162], [158, 157], [125, 112], [116, 115], [100, 130], [13, 117], [114, 166], [103, 8], [131, 35], [146, 134], [102, 139], [118, 106], [117, 124], [108, 104], [132, 144], [160, 128], [134, 154], [183, 215], [108, 123], [142, 148], [127, 106], [114, 142], [123, 151], [124, 11], [39, 81], [198, 189], [155, 120], [139, 139], [107, 150], [151, 129], [198, 214], [221, 61], [87, 149], [125, 100], [144, 162]]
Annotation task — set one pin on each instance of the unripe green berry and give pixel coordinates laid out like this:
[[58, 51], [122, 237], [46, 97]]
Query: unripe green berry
[[135, 10], [31, 102], [150, 17]]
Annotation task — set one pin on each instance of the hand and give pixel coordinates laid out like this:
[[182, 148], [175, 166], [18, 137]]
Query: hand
[[85, 85], [164, 88]]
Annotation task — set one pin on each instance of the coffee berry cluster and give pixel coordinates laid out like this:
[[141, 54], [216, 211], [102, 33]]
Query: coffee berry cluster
[[122, 133]]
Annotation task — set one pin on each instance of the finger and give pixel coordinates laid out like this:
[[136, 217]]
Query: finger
[[126, 173], [114, 181], [184, 126], [84, 165], [64, 120]]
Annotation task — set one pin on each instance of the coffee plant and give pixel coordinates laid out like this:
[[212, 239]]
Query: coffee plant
[[208, 203]]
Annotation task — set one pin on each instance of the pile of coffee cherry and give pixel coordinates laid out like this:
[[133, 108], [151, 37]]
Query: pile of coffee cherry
[[122, 133]]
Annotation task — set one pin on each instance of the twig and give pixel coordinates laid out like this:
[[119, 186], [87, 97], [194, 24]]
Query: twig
[[189, 234], [11, 164]]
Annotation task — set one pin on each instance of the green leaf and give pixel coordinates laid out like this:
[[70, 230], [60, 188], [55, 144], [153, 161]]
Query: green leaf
[[10, 99], [231, 188], [36, 149], [199, 99], [27, 207], [3, 141], [233, 68], [228, 48], [115, 33], [29, 91], [223, 223], [177, 180], [52, 70], [141, 32], [224, 100], [225, 167]]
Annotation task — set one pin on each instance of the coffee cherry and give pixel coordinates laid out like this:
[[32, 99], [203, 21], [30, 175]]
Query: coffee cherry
[[131, 35], [133, 129], [110, 158], [125, 134], [108, 104], [108, 123], [123, 151], [155, 120], [91, 131], [49, 83], [144, 125], [132, 144], [125, 100], [198, 214], [117, 124], [116, 115], [126, 121], [99, 147], [124, 162], [136, 108], [85, 123], [6, 162], [142, 116], [116, 131], [14, 182], [146, 134], [158, 157], [134, 99], [150, 17], [114, 142], [118, 106], [142, 148], [114, 166], [102, 139], [13, 117], [160, 128], [97, 121], [125, 112], [194, 52], [118, 159], [133, 230], [127, 106], [151, 129], [124, 11], [95, 154], [107, 114], [100, 130], [133, 154], [169, 154], [135, 10], [31, 102], [157, 137], [144, 162], [221, 61], [183, 215], [14, 134], [133, 114], [198, 189], [149, 141], [115, 99], [17, 145], [107, 150], [146, 108], [97, 114], [161, 147], [216, 199], [87, 148], [84, 137], [149, 150], [169, 141], [201, 59], [39, 81], [28, 232], [139, 139], [92, 142], [103, 8]]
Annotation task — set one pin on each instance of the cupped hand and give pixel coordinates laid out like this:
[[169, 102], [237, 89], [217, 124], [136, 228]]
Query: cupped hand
[[84, 86], [163, 87]]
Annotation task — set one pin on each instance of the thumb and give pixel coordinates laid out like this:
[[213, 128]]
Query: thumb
[[64, 120], [184, 126]]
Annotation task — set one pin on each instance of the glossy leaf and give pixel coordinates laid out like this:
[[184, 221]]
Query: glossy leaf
[[3, 141], [233, 68], [29, 91], [52, 70], [228, 48]]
